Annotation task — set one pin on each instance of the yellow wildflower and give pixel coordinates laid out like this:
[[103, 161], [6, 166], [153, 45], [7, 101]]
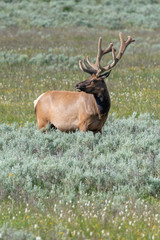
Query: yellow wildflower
[[10, 174]]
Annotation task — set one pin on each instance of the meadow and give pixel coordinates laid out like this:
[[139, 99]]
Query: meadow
[[76, 185]]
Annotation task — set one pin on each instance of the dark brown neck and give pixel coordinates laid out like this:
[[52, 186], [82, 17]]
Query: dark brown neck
[[103, 101]]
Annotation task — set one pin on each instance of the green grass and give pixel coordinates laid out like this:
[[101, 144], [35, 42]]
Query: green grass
[[82, 220], [134, 84], [104, 220], [77, 186]]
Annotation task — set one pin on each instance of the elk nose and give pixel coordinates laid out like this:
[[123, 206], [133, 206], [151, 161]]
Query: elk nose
[[76, 86]]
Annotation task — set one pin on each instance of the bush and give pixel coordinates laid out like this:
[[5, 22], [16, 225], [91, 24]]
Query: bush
[[8, 233], [50, 13], [123, 161]]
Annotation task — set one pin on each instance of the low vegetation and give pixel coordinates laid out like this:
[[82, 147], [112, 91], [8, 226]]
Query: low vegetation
[[51, 13], [48, 164], [79, 186], [36, 61], [85, 219], [110, 180]]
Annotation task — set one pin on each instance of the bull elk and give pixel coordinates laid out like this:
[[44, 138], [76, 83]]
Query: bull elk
[[87, 109]]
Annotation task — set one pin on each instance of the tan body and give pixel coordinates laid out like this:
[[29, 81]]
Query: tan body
[[69, 111]]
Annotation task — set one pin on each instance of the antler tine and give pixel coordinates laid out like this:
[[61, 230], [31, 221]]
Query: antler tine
[[114, 58], [99, 53], [122, 49], [96, 67], [108, 49], [124, 45], [84, 68], [114, 61]]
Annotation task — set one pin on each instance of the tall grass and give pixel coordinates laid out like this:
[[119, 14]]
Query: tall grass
[[32, 63]]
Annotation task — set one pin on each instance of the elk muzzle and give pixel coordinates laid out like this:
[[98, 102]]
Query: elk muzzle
[[80, 86]]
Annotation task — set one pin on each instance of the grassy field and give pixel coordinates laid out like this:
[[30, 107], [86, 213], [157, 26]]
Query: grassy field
[[89, 220], [38, 60], [81, 186], [77, 186]]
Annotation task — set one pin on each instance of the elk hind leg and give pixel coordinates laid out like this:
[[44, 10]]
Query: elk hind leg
[[97, 131], [82, 127], [42, 124]]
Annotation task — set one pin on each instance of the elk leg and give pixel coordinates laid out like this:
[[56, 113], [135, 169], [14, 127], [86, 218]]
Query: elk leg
[[100, 131], [42, 125], [82, 127]]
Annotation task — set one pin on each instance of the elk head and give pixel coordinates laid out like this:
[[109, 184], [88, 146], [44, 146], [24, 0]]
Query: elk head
[[98, 73], [93, 85]]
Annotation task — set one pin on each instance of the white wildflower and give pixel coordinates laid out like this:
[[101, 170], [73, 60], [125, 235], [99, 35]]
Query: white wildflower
[[38, 238]]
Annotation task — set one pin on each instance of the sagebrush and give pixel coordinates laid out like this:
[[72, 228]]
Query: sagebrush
[[123, 161]]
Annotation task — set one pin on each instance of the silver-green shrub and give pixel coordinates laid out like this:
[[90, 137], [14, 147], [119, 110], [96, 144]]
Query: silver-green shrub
[[111, 14], [58, 61], [124, 160], [14, 234]]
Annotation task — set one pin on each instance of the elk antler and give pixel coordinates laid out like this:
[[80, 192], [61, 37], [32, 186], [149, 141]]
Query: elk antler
[[96, 68]]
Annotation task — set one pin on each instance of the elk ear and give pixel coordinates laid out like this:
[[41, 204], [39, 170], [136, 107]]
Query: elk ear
[[105, 75]]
